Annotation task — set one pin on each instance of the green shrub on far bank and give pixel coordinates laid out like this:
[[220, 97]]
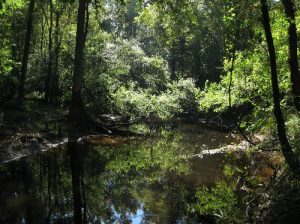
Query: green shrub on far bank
[[179, 98]]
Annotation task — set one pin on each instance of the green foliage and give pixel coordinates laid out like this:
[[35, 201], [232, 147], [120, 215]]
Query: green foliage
[[178, 98], [251, 80], [293, 124], [189, 33], [162, 155], [220, 201], [213, 97], [8, 13], [6, 63]]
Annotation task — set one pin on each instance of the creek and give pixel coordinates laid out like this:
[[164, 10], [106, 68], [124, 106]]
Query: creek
[[106, 179]]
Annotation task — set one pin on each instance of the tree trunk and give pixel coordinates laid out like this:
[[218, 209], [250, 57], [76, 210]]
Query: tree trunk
[[29, 30], [15, 56], [49, 71], [55, 81], [286, 149], [77, 111], [293, 59], [42, 35], [172, 63], [182, 51]]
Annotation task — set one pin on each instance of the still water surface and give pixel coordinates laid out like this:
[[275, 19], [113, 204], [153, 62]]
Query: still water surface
[[113, 179]]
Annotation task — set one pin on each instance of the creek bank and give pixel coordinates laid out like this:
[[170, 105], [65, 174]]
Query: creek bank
[[33, 128], [39, 127], [278, 201], [17, 142]]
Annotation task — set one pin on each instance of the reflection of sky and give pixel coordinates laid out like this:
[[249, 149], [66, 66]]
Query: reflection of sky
[[136, 218]]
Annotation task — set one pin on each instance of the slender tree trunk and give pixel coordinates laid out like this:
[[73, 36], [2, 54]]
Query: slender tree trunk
[[49, 71], [15, 56], [293, 59], [55, 81], [42, 35], [19, 49], [286, 149], [172, 63], [182, 50], [236, 123], [232, 52], [77, 111], [14, 49], [29, 31]]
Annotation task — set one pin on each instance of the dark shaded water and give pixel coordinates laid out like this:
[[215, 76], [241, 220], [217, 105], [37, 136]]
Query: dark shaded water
[[112, 180]]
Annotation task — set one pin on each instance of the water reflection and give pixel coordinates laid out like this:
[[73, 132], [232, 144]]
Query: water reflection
[[77, 152], [137, 181]]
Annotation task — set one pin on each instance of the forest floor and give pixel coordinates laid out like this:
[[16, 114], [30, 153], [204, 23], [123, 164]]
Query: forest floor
[[35, 127]]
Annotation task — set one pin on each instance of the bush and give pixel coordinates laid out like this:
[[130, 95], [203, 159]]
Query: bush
[[180, 98], [219, 201]]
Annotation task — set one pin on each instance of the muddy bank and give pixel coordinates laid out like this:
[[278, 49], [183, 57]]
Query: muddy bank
[[17, 142], [35, 127]]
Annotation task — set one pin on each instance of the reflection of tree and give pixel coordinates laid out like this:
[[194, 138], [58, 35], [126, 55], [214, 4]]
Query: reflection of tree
[[36, 189], [167, 155], [165, 203], [77, 155], [107, 183], [19, 194], [151, 178]]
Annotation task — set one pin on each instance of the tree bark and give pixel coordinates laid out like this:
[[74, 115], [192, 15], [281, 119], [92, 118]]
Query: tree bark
[[42, 35], [55, 82], [77, 111], [21, 93], [50, 53], [286, 149], [293, 58]]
